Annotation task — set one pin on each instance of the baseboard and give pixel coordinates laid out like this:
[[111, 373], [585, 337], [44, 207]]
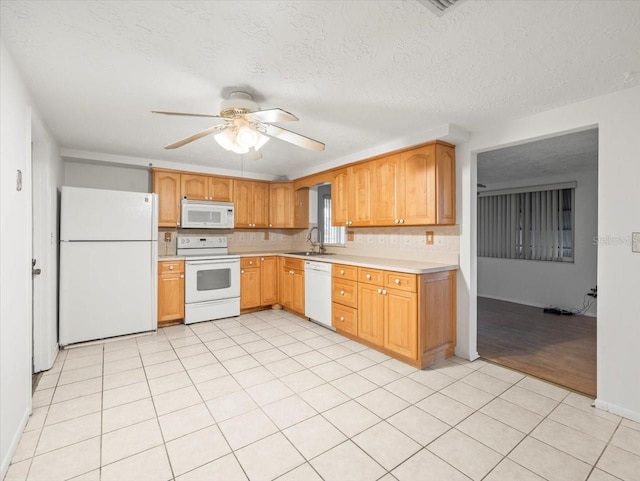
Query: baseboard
[[6, 460], [469, 356], [620, 411], [532, 304], [53, 354]]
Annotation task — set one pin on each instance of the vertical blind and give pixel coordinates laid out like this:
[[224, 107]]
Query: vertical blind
[[332, 234], [533, 223]]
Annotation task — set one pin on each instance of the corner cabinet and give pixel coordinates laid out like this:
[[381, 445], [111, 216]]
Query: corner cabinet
[[288, 208], [258, 282], [292, 284], [167, 186], [170, 292]]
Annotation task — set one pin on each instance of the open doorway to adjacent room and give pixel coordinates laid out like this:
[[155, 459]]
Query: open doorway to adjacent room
[[537, 217]]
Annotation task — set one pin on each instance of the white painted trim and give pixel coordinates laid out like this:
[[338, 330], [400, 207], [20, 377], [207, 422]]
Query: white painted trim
[[620, 411], [533, 188], [14, 443]]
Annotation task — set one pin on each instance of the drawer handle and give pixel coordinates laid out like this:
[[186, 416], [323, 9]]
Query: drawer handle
[[342, 272], [342, 318], [379, 291], [342, 293], [170, 268], [398, 281], [368, 276]]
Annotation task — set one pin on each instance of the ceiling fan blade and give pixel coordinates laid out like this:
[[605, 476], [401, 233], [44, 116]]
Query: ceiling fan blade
[[272, 115], [293, 138], [185, 114], [199, 135]]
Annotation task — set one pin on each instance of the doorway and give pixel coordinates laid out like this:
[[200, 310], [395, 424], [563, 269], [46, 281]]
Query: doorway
[[537, 218]]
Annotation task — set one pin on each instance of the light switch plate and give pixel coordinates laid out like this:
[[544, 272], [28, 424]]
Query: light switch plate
[[635, 242], [350, 236]]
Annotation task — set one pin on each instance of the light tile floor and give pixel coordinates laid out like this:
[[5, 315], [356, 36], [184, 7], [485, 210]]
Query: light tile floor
[[269, 395]]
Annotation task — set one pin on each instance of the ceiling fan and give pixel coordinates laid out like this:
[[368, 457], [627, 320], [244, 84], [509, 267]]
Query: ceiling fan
[[245, 128]]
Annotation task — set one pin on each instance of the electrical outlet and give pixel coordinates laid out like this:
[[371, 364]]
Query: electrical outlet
[[167, 236], [266, 235], [350, 236], [429, 237]]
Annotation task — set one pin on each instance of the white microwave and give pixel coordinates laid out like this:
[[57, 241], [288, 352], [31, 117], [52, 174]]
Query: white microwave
[[202, 214]]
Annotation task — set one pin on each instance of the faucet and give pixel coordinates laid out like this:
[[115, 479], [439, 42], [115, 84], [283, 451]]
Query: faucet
[[321, 248]]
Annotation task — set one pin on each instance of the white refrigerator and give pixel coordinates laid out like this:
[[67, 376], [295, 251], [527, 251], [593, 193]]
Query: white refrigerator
[[108, 264]]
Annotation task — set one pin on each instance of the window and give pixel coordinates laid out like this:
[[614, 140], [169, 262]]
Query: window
[[332, 234], [535, 223]]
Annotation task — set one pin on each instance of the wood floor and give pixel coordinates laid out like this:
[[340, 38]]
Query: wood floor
[[560, 349]]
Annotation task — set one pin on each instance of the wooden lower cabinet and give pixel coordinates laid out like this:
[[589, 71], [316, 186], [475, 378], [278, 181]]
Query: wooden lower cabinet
[[170, 292], [292, 284], [370, 313], [400, 320], [258, 282]]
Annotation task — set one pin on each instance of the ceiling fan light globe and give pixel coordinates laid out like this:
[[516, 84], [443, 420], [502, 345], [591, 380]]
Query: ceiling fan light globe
[[226, 139], [239, 149], [246, 137]]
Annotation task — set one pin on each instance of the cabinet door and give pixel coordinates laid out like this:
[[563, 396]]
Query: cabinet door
[[301, 209], [195, 187], [268, 281], [281, 204], [249, 287], [340, 197], [360, 194], [170, 297], [167, 186], [387, 200], [221, 189], [260, 204], [401, 322], [243, 202], [446, 172], [419, 192], [297, 298], [370, 313]]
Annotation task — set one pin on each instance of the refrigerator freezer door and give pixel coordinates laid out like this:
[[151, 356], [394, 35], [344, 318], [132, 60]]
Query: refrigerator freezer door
[[103, 215], [107, 289]]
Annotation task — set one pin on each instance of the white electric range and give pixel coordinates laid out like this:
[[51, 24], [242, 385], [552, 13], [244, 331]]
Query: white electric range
[[212, 278]]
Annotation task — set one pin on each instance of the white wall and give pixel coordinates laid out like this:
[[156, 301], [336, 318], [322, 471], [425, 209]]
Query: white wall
[[112, 177], [15, 253], [618, 119], [537, 283]]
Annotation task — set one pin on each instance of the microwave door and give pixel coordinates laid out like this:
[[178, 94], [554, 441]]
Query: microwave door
[[203, 216]]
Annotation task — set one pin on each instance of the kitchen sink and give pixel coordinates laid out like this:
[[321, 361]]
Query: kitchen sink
[[310, 253]]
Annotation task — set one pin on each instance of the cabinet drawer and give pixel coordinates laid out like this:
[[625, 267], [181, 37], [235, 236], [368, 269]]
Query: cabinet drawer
[[370, 276], [169, 267], [399, 280], [291, 263], [345, 318], [345, 292], [246, 262], [345, 272]]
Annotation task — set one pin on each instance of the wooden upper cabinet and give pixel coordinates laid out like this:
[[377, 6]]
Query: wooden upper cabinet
[[281, 204], [167, 186], [418, 197], [446, 174], [221, 189], [251, 201], [360, 211], [340, 197], [301, 208], [195, 187], [388, 198]]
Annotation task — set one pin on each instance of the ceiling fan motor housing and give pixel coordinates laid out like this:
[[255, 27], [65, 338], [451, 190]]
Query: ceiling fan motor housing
[[238, 104]]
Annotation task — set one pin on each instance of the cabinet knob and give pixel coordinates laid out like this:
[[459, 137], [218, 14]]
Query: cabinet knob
[[181, 276], [270, 225], [262, 259], [178, 224], [342, 318], [402, 221], [342, 293], [342, 272], [368, 276], [290, 272], [384, 292], [397, 281], [250, 262], [397, 221], [242, 271], [379, 291], [170, 268]]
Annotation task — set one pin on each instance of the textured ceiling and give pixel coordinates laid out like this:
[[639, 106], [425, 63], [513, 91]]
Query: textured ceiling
[[358, 74], [564, 154]]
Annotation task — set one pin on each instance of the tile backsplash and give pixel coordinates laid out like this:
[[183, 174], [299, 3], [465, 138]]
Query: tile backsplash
[[387, 242]]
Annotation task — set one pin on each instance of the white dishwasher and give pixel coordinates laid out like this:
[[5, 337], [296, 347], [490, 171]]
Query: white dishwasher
[[317, 292]]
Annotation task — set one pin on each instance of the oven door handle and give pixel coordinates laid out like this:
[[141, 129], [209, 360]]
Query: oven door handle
[[212, 261]]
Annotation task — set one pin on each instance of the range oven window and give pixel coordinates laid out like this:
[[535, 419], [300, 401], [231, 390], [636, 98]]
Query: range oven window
[[213, 279]]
